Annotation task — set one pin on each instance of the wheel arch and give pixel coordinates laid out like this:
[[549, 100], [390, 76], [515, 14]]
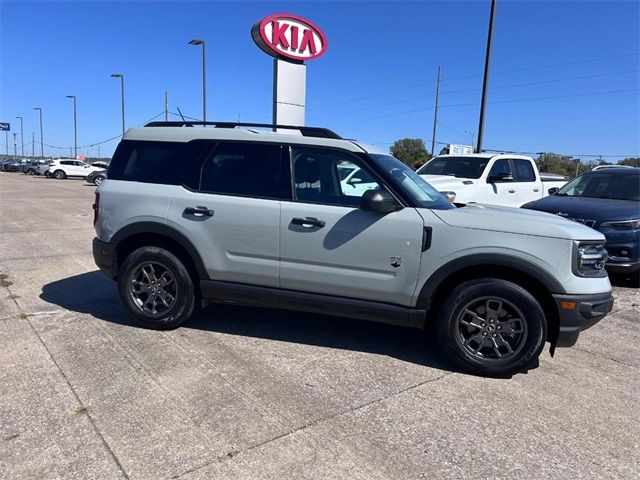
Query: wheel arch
[[533, 278], [137, 235]]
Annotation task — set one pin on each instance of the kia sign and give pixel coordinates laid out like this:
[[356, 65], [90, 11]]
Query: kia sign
[[5, 127], [290, 36]]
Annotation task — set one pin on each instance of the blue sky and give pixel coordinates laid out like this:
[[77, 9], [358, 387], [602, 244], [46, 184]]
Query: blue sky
[[564, 74]]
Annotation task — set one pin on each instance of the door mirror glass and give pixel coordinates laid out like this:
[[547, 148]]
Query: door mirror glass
[[500, 177], [378, 201]]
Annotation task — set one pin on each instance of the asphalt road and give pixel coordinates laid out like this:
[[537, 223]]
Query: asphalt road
[[241, 393]]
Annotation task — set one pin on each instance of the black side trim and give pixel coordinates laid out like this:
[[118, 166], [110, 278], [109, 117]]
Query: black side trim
[[166, 231], [491, 260], [426, 238], [269, 297]]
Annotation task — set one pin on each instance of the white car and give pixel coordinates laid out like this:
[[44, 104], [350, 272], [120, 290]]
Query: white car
[[64, 168], [354, 181]]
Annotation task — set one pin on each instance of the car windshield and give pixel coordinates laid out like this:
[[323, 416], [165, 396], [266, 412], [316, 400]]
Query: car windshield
[[463, 167], [614, 186], [410, 183]]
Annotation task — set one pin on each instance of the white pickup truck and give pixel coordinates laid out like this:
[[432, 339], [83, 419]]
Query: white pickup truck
[[498, 179]]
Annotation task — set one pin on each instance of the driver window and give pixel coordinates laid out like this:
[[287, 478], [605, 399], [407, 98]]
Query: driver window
[[500, 167], [330, 177]]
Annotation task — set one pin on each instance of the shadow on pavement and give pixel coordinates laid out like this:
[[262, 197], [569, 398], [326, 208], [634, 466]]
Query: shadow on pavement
[[93, 293]]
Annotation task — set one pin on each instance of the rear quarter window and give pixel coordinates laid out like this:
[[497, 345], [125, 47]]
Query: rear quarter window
[[168, 163]]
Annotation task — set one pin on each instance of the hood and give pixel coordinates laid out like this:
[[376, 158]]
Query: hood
[[596, 209], [447, 182], [516, 220]]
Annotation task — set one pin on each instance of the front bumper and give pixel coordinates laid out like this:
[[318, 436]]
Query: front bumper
[[586, 312], [622, 266], [105, 256]]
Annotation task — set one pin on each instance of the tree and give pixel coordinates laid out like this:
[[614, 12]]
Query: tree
[[630, 161], [561, 164], [411, 151]]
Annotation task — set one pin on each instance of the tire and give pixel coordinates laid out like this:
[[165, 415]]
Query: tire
[[140, 283], [97, 180], [31, 171], [59, 174], [491, 327]]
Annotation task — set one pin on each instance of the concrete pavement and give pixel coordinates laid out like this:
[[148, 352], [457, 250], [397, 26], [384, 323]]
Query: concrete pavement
[[245, 393]]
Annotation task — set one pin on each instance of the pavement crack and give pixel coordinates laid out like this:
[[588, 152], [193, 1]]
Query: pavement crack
[[599, 355], [233, 453]]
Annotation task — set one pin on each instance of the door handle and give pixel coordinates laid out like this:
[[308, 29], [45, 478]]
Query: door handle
[[512, 190], [536, 189], [308, 221], [198, 211]]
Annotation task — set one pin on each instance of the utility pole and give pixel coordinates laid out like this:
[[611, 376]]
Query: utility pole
[[75, 127], [41, 136], [21, 136], [485, 81], [99, 152], [435, 115], [33, 145], [121, 77], [166, 106], [15, 146]]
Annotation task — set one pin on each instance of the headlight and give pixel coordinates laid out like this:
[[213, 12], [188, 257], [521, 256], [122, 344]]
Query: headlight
[[623, 224], [590, 260], [451, 196]]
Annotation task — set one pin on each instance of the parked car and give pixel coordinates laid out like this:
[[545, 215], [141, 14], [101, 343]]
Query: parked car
[[43, 168], [35, 167], [242, 217], [97, 177], [70, 168], [603, 167], [504, 179], [100, 164], [607, 200], [14, 165]]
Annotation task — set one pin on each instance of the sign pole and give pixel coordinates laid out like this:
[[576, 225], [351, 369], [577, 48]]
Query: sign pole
[[6, 141]]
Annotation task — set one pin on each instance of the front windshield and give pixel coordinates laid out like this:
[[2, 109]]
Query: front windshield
[[410, 183], [614, 186], [463, 166]]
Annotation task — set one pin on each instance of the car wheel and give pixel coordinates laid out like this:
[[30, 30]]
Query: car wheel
[[59, 174], [491, 327], [156, 289], [98, 180], [31, 171]]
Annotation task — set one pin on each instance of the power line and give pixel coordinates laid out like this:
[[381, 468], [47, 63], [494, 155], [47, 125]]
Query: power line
[[532, 67], [494, 102]]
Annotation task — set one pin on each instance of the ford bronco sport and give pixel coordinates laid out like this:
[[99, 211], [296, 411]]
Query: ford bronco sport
[[191, 215]]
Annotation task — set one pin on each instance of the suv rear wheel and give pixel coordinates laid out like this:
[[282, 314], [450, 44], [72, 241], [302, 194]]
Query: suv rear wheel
[[59, 174], [155, 288], [491, 327]]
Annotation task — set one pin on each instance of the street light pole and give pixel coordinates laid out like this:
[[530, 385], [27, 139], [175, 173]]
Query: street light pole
[[75, 127], [121, 77], [473, 137], [15, 147], [21, 136], [198, 41], [485, 81], [41, 135]]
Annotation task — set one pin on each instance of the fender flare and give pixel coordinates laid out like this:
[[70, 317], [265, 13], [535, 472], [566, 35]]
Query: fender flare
[[165, 231], [490, 259]]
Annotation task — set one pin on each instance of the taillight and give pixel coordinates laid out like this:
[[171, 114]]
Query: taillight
[[96, 208]]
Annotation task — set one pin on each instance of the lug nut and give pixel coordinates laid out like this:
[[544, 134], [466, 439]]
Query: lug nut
[[494, 335], [484, 334]]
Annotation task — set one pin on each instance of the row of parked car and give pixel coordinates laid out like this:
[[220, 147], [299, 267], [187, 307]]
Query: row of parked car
[[62, 168]]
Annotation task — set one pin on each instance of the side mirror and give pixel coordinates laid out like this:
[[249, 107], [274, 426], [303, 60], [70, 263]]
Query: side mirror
[[378, 201], [553, 191], [500, 177]]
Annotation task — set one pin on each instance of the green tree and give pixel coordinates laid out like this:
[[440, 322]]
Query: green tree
[[630, 161], [561, 164], [411, 151]]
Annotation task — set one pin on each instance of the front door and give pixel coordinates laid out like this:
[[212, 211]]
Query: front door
[[502, 191], [330, 246], [529, 188]]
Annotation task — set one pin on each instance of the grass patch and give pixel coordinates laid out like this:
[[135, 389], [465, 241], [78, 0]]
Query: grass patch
[[3, 280]]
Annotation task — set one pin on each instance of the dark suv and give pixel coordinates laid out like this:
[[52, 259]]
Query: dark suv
[[609, 201]]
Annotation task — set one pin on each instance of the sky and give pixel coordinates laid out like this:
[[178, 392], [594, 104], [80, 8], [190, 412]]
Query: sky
[[564, 75]]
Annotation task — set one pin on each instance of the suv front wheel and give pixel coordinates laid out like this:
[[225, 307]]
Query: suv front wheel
[[491, 327], [155, 288]]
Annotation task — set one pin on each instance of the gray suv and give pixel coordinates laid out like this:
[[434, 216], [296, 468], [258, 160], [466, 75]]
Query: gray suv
[[190, 215]]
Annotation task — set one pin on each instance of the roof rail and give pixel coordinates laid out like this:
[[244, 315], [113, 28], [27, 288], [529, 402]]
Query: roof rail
[[305, 131]]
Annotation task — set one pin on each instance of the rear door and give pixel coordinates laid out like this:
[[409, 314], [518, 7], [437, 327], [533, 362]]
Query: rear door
[[330, 246], [529, 187], [231, 212], [501, 192]]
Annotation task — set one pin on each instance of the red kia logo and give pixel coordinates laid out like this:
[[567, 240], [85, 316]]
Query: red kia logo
[[286, 35]]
